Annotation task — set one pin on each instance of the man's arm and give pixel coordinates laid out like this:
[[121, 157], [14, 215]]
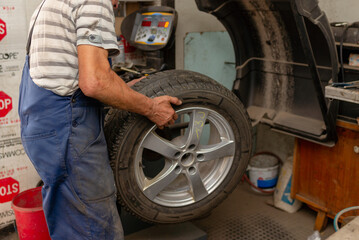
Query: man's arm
[[97, 80]]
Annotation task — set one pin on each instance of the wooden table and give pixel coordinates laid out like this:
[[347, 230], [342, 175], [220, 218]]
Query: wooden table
[[327, 179]]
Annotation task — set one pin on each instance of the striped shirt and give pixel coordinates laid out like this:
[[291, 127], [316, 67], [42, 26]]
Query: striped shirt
[[63, 25]]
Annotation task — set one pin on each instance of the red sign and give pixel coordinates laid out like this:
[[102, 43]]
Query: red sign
[[5, 104], [9, 188], [128, 47], [2, 29]]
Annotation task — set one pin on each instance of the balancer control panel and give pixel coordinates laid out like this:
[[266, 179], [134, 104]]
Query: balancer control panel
[[154, 28]]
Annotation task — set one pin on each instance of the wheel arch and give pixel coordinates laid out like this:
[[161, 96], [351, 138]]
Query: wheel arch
[[270, 55]]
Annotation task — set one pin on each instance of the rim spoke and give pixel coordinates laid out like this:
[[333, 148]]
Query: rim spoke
[[189, 175], [160, 145], [198, 189], [154, 186], [225, 148], [195, 127]]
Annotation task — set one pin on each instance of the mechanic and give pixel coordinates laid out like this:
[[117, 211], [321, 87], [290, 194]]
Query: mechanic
[[65, 79]]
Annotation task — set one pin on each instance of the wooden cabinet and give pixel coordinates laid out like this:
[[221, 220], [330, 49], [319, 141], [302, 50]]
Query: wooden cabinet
[[327, 179]]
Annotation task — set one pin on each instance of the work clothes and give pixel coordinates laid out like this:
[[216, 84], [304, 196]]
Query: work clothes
[[64, 139], [62, 26]]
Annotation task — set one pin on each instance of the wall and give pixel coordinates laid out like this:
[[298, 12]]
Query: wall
[[340, 10], [190, 19], [16, 171], [31, 5]]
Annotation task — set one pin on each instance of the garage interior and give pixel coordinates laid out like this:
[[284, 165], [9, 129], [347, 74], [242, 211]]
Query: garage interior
[[292, 66]]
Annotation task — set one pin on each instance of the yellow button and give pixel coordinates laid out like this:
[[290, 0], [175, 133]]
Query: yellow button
[[166, 24]]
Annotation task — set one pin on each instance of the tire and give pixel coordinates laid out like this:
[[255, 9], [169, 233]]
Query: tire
[[184, 171]]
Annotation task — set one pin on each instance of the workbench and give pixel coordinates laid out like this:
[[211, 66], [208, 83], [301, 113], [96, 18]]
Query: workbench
[[326, 178], [342, 94]]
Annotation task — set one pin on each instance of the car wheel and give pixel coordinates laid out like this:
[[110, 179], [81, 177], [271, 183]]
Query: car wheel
[[181, 172]]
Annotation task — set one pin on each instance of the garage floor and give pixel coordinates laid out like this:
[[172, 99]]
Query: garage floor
[[246, 215]]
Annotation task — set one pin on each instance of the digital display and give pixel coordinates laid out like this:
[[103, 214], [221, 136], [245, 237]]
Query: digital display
[[161, 24], [153, 29], [146, 23]]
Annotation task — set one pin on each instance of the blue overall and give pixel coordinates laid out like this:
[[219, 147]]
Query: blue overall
[[64, 139]]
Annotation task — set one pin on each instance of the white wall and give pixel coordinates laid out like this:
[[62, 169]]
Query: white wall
[[340, 10], [31, 5]]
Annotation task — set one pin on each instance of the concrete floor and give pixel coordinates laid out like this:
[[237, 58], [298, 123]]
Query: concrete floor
[[246, 215], [8, 233]]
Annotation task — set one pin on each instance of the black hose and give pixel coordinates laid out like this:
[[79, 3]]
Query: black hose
[[341, 51]]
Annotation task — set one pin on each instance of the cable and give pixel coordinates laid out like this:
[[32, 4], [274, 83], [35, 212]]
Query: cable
[[335, 223]]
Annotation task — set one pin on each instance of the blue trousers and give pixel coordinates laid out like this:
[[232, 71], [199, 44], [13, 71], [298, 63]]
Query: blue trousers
[[64, 139]]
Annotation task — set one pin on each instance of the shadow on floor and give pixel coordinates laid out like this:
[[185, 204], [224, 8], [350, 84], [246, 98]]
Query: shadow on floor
[[8, 233]]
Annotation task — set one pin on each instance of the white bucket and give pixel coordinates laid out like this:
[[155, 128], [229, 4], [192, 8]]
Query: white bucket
[[263, 172]]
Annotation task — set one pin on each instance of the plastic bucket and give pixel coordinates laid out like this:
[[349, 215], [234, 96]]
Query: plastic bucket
[[29, 215], [263, 172]]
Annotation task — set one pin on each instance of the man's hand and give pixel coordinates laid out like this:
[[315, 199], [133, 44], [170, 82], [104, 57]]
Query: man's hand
[[162, 113]]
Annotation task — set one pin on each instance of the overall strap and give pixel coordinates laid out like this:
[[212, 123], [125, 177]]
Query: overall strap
[[32, 29]]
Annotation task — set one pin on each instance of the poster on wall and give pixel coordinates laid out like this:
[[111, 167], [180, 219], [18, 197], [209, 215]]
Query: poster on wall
[[16, 171]]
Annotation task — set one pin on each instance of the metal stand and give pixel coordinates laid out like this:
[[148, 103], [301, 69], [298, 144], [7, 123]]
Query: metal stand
[[154, 59]]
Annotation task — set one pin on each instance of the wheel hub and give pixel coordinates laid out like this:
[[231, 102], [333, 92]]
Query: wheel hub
[[187, 160], [195, 160]]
